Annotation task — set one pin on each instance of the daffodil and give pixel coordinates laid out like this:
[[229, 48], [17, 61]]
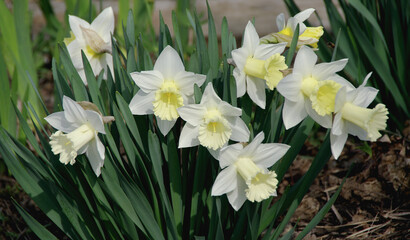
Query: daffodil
[[211, 123], [164, 89], [257, 66], [307, 35], [245, 173], [77, 134], [311, 89], [353, 117], [94, 40]]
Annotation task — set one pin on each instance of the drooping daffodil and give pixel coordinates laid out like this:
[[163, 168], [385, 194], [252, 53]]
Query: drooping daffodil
[[245, 173], [307, 35], [164, 89], [211, 123], [353, 117], [77, 134], [311, 89], [94, 40], [257, 66]]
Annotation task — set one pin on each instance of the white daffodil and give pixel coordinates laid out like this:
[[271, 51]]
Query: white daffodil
[[257, 66], [94, 40], [353, 117], [164, 89], [307, 35], [211, 123], [80, 129], [311, 89], [245, 173]]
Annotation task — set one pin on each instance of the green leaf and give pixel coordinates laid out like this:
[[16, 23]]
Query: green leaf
[[37, 228], [293, 45]]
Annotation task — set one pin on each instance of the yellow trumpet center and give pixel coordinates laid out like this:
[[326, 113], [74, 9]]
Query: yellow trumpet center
[[261, 183], [323, 97], [167, 100], [68, 145], [215, 131], [371, 120]]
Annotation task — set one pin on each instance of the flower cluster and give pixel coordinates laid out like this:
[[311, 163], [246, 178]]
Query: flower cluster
[[167, 92]]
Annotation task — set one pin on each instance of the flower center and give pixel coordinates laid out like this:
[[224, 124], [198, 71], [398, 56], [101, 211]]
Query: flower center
[[273, 66], [323, 98], [68, 145], [95, 44], [261, 183], [167, 100], [309, 85], [215, 131], [286, 31], [371, 120], [266, 69]]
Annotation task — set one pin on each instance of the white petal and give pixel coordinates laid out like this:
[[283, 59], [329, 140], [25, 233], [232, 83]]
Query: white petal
[[305, 61], [268, 154], [250, 149], [73, 112], [169, 63], [264, 51], [237, 197], [355, 130], [148, 81], [58, 121], [209, 95], [193, 113], [225, 182], [323, 71], [256, 91], [250, 38], [95, 120], [74, 49], [240, 131], [81, 73], [240, 78], [324, 121], [342, 81], [366, 79], [227, 109], [215, 153], [340, 99], [293, 113], [164, 125], [280, 21], [229, 154], [103, 24], [75, 24], [96, 154], [305, 14], [109, 64], [365, 96], [189, 136], [290, 87], [337, 142], [240, 56], [338, 125], [141, 103], [186, 80]]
